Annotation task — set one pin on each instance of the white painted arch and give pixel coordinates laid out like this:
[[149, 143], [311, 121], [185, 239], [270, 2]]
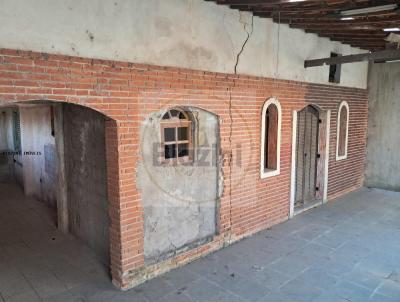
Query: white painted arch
[[265, 173], [341, 157]]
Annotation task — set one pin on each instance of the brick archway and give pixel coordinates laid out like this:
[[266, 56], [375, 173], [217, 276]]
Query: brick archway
[[126, 225]]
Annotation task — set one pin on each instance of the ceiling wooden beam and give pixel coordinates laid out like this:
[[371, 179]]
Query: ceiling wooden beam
[[328, 22], [384, 55], [263, 2], [300, 6], [360, 27], [341, 32], [318, 16], [321, 17]]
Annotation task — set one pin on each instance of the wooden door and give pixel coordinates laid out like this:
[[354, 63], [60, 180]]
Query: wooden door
[[307, 156]]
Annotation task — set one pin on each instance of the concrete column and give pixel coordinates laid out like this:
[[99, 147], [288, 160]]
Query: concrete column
[[62, 189]]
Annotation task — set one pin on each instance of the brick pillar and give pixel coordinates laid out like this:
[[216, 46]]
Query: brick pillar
[[126, 231]]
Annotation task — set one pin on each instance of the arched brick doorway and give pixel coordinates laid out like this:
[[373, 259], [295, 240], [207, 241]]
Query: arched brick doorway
[[75, 132]]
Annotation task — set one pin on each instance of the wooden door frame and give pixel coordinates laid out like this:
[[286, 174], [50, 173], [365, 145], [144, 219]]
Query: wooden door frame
[[326, 116]]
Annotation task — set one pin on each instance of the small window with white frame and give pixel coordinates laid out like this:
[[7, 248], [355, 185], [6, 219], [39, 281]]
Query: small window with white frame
[[176, 137], [342, 131], [270, 138]]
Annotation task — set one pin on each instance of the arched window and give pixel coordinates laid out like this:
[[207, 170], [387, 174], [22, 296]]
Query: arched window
[[270, 138], [176, 136], [342, 131]]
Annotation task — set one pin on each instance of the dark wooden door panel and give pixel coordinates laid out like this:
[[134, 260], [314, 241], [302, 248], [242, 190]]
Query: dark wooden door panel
[[307, 155]]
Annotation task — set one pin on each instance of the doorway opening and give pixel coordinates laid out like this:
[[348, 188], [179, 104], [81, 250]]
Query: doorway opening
[[53, 175], [307, 157], [310, 154]]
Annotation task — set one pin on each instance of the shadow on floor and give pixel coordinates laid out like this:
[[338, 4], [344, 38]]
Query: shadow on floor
[[37, 262]]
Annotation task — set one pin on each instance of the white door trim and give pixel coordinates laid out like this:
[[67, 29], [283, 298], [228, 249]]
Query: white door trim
[[293, 170], [327, 146], [294, 152]]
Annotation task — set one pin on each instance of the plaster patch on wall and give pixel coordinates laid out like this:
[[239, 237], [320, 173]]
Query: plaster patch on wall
[[180, 33], [180, 202]]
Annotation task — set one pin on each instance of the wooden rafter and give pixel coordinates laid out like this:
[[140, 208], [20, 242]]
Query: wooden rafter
[[384, 55], [324, 18]]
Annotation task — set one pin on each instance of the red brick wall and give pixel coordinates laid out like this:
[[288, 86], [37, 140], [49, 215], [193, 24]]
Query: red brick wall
[[127, 92]]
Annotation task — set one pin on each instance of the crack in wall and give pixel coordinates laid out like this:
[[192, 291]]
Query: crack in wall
[[230, 160], [249, 34]]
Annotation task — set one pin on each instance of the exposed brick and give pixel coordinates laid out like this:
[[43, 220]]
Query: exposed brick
[[126, 93]]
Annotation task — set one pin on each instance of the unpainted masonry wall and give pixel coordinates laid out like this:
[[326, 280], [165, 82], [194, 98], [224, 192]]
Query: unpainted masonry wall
[[38, 154], [193, 34], [129, 93], [85, 161], [383, 156], [180, 202]]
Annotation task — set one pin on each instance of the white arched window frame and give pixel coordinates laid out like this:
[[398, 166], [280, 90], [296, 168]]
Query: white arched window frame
[[344, 156], [264, 173]]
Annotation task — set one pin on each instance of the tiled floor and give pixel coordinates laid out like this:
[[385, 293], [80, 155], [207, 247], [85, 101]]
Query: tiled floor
[[348, 250]]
